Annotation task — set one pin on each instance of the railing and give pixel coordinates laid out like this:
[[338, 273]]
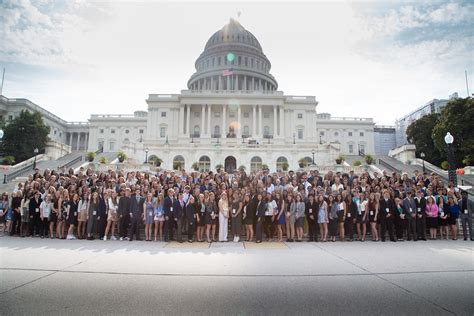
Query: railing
[[195, 135], [12, 175], [100, 150], [216, 136], [388, 166], [71, 163]]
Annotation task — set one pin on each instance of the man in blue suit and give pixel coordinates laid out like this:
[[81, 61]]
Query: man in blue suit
[[136, 213]]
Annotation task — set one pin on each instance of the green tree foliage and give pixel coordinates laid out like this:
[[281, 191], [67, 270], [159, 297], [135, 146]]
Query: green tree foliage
[[23, 134], [457, 117], [419, 134]]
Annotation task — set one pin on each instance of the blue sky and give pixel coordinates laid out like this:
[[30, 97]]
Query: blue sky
[[376, 59]]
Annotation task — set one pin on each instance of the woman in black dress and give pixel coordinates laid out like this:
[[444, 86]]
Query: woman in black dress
[[236, 213], [72, 216], [53, 218], [373, 214], [201, 218], [211, 217], [248, 211]]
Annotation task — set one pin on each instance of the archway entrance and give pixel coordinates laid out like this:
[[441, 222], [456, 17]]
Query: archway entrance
[[230, 164]]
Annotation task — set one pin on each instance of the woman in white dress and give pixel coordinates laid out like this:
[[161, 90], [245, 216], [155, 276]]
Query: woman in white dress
[[223, 217]]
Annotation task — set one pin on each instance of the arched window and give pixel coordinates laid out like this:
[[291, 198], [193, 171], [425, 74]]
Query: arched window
[[255, 163], [282, 164], [197, 130], [178, 162], [217, 130], [204, 164], [246, 130]]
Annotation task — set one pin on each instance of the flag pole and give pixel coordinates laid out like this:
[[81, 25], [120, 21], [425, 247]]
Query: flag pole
[[465, 73]]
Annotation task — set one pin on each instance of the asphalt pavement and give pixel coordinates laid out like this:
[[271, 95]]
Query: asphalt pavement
[[80, 277]]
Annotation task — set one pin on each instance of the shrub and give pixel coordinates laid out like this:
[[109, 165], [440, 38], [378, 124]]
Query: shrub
[[195, 166], [8, 160], [219, 167], [285, 166], [340, 159], [445, 165], [357, 163], [90, 156], [103, 160], [369, 159], [121, 156], [242, 168]]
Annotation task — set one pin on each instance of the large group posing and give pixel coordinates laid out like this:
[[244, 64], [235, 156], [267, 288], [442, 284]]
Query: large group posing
[[260, 206]]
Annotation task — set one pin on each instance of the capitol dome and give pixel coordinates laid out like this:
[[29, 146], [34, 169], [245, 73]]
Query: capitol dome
[[233, 59]]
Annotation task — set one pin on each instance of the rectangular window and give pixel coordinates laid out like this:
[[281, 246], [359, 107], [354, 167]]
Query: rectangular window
[[101, 145], [300, 115], [196, 114], [111, 146], [266, 115], [246, 114], [321, 133], [300, 134], [232, 114], [361, 134], [140, 131], [112, 131], [217, 114], [351, 148], [163, 114], [350, 133], [101, 131], [162, 132]]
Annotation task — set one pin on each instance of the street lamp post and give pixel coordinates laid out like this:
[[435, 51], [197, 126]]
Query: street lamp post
[[422, 155], [146, 154], [34, 162], [449, 139], [313, 156], [294, 138], [320, 139]]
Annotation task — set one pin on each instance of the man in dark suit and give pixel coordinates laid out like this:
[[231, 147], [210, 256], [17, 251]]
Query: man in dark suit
[[102, 216], [34, 211], [179, 211], [123, 211], [168, 208], [387, 216], [467, 207], [420, 203], [311, 211], [136, 213]]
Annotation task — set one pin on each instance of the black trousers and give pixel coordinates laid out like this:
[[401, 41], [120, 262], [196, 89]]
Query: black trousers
[[124, 222], [349, 228], [101, 223], [400, 226], [420, 227], [386, 225], [15, 229], [411, 229], [35, 224], [312, 234], [43, 230], [191, 229], [258, 234], [268, 227], [135, 229], [168, 229]]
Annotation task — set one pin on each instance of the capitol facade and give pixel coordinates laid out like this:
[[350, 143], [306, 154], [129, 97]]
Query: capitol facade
[[232, 114]]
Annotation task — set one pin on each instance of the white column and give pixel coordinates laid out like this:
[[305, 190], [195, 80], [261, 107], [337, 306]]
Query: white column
[[188, 122], [87, 142], [212, 83], [70, 140], [209, 108], [245, 83], [275, 122], [181, 120], [228, 83], [253, 84], [254, 119], [239, 122], [78, 140], [282, 121], [224, 124], [260, 127], [203, 119], [236, 82], [220, 82]]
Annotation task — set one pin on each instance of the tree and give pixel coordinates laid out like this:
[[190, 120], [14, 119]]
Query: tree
[[23, 134], [419, 134], [457, 117]]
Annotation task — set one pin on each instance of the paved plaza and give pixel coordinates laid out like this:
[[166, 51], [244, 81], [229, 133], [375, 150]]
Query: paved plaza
[[119, 277]]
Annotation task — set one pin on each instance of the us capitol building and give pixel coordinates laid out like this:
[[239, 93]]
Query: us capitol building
[[231, 114]]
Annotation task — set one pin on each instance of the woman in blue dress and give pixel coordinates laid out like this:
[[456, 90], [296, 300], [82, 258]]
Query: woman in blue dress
[[159, 216], [148, 215], [281, 206]]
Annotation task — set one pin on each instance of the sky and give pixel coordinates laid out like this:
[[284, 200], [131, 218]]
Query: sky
[[377, 59]]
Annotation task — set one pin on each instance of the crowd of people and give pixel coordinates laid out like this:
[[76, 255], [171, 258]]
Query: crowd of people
[[258, 206]]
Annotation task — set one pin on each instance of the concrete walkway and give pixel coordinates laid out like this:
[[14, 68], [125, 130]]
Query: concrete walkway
[[120, 277]]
